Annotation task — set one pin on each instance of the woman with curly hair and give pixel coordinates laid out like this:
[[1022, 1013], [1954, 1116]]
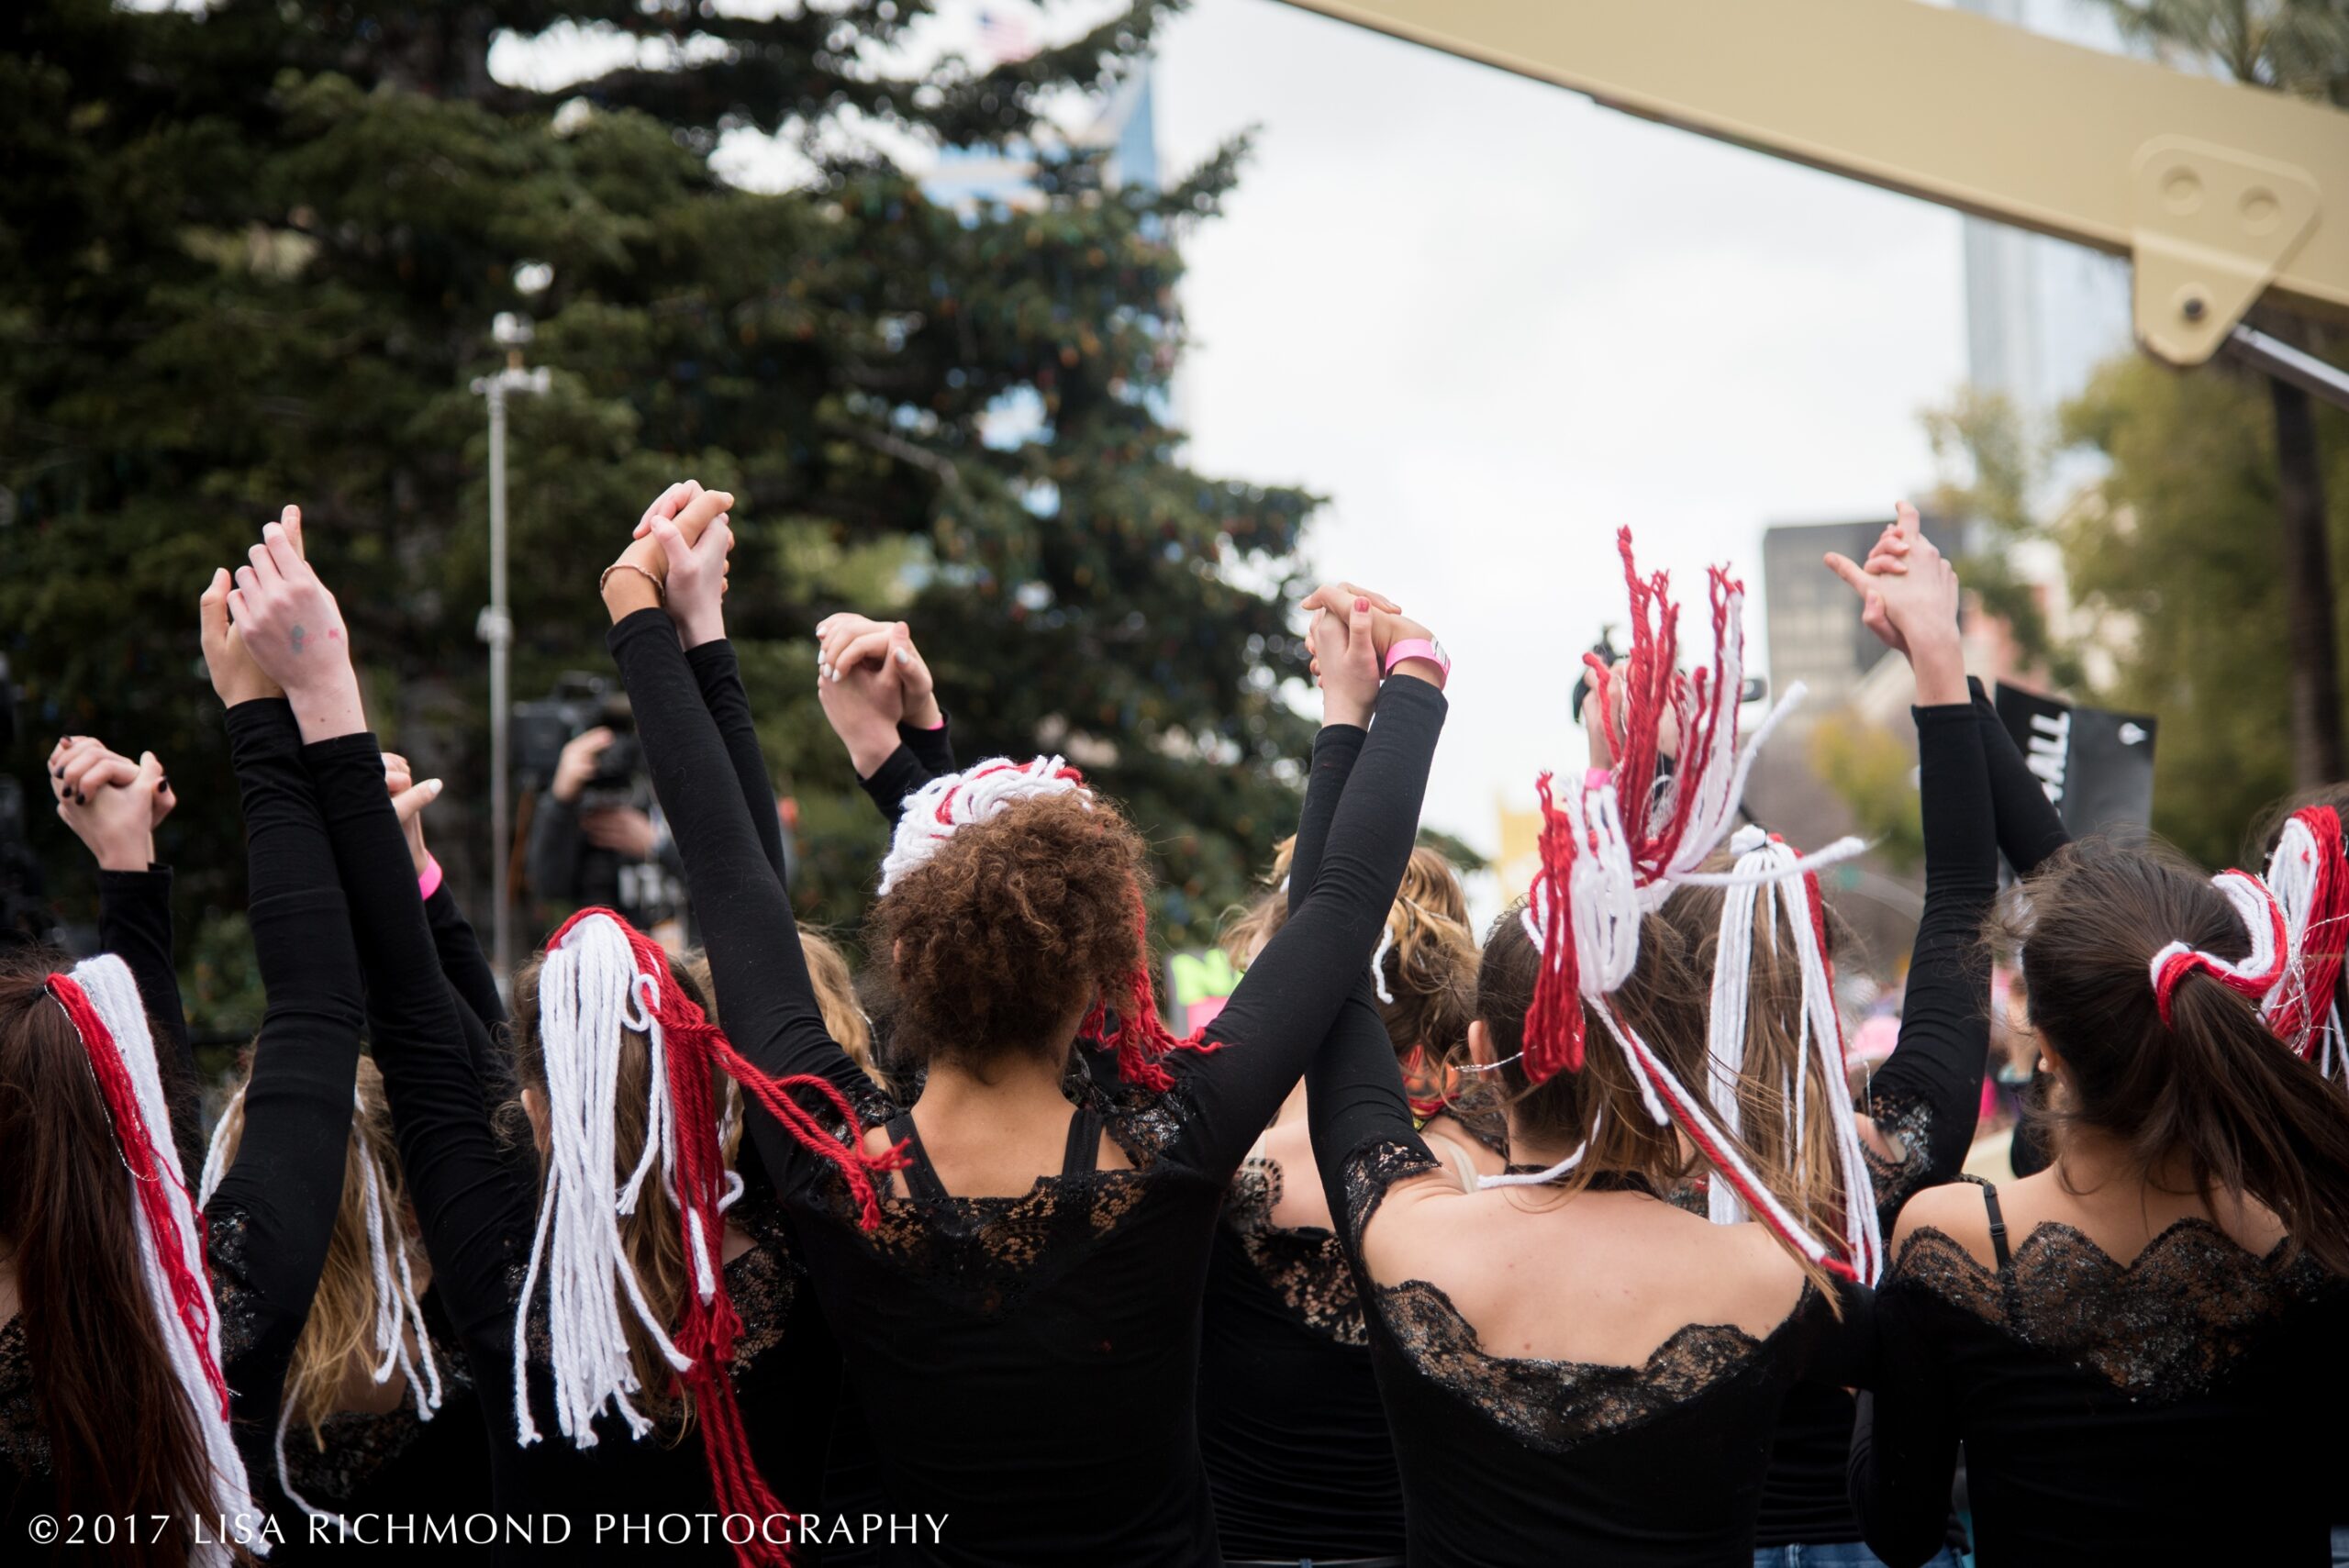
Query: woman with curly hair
[[1023, 1320]]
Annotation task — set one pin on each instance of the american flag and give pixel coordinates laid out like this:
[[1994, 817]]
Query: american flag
[[1006, 34]]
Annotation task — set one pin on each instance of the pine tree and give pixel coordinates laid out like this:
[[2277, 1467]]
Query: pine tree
[[250, 255]]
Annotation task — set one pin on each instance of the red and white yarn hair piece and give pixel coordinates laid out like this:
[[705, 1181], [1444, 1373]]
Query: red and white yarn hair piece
[[2255, 975], [1614, 850], [1765, 861], [2309, 877], [602, 977], [101, 999], [398, 1309], [933, 813]]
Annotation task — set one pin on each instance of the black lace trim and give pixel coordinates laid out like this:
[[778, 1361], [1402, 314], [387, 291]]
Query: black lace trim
[[351, 1446], [1906, 1123], [1304, 1265], [24, 1444], [1553, 1405], [2170, 1324], [227, 1230], [1549, 1404], [989, 1252]]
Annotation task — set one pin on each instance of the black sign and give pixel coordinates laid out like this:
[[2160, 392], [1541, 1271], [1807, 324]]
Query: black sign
[[2096, 765]]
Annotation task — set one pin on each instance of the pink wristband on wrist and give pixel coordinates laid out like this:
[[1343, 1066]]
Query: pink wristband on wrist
[[430, 882]]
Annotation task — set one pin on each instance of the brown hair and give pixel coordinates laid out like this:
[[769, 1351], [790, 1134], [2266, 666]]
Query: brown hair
[[1599, 1107], [1808, 1177], [1429, 965], [1016, 925], [2213, 1086], [340, 1329], [122, 1438], [648, 1235], [844, 1017], [1248, 927]]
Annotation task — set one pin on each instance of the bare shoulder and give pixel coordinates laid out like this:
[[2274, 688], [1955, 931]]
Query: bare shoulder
[[1956, 1209]]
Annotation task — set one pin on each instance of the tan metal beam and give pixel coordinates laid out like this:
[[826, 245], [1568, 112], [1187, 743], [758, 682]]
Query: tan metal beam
[[2218, 192]]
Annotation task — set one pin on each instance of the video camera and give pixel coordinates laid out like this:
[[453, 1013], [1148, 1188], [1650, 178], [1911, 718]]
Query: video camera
[[580, 702]]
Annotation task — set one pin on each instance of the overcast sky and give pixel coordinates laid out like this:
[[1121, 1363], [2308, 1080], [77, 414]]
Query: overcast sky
[[1492, 322]]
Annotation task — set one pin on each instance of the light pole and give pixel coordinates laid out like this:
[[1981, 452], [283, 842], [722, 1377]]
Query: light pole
[[497, 628]]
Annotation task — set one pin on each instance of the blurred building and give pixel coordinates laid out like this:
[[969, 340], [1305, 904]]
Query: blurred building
[[2041, 314], [1806, 611]]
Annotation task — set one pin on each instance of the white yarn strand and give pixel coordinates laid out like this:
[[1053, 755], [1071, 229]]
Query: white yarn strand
[[590, 992], [108, 982], [1378, 963], [933, 812]]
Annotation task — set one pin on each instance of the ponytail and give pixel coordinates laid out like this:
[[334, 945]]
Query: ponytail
[[2112, 938]]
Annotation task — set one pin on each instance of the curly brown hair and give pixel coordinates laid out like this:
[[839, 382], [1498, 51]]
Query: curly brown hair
[[1014, 927]]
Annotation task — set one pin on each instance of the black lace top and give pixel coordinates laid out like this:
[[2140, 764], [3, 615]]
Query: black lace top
[[2177, 1408], [1029, 1364], [476, 1196], [1295, 1443], [1926, 1095]]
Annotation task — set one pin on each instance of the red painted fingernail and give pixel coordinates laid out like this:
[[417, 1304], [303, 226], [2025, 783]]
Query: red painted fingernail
[[1362, 603]]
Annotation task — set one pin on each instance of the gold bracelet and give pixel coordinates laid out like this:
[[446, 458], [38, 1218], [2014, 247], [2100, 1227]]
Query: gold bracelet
[[659, 589]]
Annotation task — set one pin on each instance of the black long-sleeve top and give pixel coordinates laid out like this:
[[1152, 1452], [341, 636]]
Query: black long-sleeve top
[[268, 1223], [2151, 1411], [1295, 1443], [2030, 830], [477, 1202], [1029, 1364], [1925, 1097], [2170, 1408], [135, 924]]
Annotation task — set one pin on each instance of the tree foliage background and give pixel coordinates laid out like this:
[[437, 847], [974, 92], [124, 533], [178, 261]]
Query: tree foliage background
[[250, 253]]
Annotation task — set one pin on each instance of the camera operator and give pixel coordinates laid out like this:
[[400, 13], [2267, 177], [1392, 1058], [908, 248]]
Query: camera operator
[[597, 836]]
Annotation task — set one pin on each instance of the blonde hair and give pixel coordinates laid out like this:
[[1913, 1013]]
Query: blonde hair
[[1426, 963], [340, 1331], [845, 1018]]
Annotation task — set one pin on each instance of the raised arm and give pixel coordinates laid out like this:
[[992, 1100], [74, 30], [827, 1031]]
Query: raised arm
[[475, 1213], [2030, 827], [288, 1175], [1925, 1100], [880, 699], [113, 806], [763, 991], [1285, 1004]]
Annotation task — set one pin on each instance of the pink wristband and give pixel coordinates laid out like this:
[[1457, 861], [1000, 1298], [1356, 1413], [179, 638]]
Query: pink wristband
[[430, 882]]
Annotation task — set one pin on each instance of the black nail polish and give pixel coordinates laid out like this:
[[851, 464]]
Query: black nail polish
[[80, 799]]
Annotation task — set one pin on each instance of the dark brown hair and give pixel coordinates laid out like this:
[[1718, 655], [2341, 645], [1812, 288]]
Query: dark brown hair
[[1599, 1107], [121, 1436], [2213, 1086], [1016, 924]]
